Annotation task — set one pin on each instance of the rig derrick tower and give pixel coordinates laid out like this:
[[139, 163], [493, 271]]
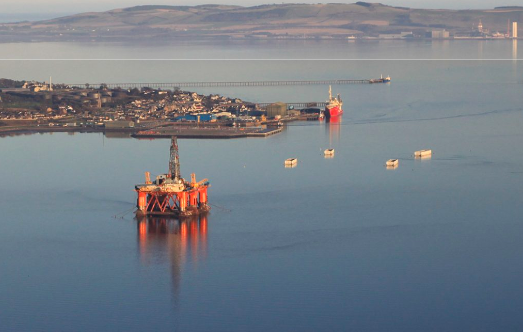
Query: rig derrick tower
[[174, 161]]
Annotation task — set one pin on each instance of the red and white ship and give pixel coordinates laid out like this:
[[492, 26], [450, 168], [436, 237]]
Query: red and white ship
[[333, 108]]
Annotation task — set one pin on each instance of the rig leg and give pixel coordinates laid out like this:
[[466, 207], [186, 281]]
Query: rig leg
[[193, 198], [204, 207], [203, 196], [142, 201], [183, 201]]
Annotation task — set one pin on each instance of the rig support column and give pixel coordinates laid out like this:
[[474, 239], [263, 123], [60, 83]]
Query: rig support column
[[142, 200], [193, 198], [203, 195], [183, 201]]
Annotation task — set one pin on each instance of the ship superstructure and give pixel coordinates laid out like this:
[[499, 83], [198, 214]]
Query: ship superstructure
[[170, 194]]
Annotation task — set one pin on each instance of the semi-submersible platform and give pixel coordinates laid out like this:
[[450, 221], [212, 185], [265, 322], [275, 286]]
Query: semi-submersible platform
[[170, 194]]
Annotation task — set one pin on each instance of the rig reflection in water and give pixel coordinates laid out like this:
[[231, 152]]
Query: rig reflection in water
[[180, 242]]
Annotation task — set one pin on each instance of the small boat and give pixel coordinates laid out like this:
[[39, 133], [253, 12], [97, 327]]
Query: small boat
[[329, 153], [291, 162], [423, 153], [392, 163]]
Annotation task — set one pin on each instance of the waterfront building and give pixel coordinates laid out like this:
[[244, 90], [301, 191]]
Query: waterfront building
[[119, 124], [401, 35], [203, 117], [275, 109], [439, 34]]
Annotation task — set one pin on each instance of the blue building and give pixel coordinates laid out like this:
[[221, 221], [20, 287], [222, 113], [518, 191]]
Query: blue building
[[204, 117]]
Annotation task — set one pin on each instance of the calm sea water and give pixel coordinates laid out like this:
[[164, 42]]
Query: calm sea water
[[333, 244]]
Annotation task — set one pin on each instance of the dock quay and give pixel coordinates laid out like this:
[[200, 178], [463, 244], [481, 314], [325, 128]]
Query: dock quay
[[175, 85], [206, 132], [141, 133], [298, 105], [265, 132]]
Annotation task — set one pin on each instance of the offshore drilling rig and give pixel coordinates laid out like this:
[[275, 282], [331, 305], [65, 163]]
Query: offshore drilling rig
[[170, 194]]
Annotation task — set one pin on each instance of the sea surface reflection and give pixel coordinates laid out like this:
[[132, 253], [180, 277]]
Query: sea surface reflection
[[334, 129], [162, 239]]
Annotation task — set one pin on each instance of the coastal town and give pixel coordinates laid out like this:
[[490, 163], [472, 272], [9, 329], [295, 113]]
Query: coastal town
[[30, 106], [479, 31]]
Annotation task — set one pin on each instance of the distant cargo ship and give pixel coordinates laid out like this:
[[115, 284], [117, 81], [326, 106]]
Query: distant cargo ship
[[333, 107], [381, 80]]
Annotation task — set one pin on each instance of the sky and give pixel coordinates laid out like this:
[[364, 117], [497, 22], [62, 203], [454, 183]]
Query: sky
[[50, 8]]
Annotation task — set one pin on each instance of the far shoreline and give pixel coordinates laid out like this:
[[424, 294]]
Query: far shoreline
[[149, 40]]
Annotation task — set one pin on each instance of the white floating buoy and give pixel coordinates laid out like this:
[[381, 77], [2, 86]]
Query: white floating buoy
[[423, 153], [392, 163], [291, 162], [329, 153]]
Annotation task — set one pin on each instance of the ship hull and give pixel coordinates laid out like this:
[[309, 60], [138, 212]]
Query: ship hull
[[332, 112]]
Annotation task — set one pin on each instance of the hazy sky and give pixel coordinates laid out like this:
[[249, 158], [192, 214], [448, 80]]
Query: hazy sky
[[74, 6]]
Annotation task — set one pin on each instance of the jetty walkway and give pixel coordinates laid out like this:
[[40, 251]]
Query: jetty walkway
[[175, 85]]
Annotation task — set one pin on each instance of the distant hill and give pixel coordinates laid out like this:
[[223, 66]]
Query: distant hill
[[265, 21]]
